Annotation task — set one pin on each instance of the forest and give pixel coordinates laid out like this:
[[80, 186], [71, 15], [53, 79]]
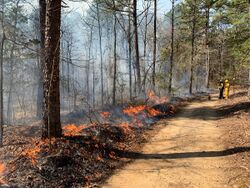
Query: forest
[[91, 75]]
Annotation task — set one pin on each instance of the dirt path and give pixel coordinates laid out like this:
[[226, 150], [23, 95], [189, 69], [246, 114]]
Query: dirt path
[[186, 153]]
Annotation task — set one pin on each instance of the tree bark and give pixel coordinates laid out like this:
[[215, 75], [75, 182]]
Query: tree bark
[[39, 101], [193, 48], [9, 106], [93, 85], [221, 60], [249, 82], [100, 46], [88, 66], [130, 52], [207, 45], [51, 70], [115, 62], [154, 53], [145, 47], [1, 76], [40, 91], [11, 73], [1, 90], [40, 94], [137, 56], [172, 49]]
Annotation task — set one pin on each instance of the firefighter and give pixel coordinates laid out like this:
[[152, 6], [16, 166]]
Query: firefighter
[[226, 88], [221, 89]]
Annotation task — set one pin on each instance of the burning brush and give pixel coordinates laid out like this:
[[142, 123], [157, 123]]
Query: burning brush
[[2, 170]]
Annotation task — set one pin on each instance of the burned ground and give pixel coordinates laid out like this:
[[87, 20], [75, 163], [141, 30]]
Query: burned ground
[[87, 154]]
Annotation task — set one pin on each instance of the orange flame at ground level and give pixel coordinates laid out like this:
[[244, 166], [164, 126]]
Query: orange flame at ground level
[[2, 168], [152, 112], [73, 130], [131, 111], [32, 153]]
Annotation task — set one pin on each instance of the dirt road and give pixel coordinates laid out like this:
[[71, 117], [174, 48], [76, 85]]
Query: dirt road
[[185, 153]]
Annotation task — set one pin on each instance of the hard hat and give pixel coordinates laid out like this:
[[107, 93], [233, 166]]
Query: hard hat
[[226, 80]]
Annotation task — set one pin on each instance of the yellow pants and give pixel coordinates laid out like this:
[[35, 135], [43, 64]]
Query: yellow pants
[[226, 93]]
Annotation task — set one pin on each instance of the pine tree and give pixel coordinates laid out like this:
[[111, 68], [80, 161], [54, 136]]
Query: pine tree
[[51, 118]]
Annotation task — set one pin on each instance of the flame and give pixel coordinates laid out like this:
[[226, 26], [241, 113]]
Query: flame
[[131, 111], [73, 130], [2, 168], [156, 99], [32, 153], [105, 114], [152, 112]]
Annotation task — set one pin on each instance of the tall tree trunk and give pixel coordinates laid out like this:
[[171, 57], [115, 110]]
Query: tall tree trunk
[[248, 60], [9, 107], [193, 48], [249, 82], [145, 46], [115, 62], [40, 91], [154, 53], [51, 70], [93, 85], [39, 100], [221, 58], [172, 49], [68, 75], [1, 90], [207, 45], [88, 65], [1, 76], [40, 94], [137, 56], [101, 55], [130, 53], [62, 94]]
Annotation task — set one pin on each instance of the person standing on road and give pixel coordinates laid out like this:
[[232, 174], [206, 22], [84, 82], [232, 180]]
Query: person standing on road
[[227, 87], [221, 89]]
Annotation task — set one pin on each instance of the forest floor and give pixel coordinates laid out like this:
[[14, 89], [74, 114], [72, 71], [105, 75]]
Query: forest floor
[[206, 145]]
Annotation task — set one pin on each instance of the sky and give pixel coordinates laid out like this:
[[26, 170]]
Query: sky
[[163, 6], [81, 7]]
